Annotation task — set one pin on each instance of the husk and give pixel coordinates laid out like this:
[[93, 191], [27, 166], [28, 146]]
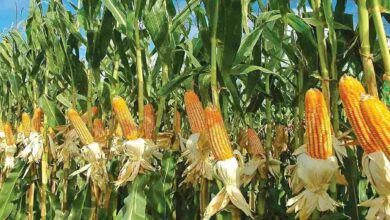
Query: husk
[[96, 167], [228, 172], [259, 163], [377, 169], [199, 163], [139, 152], [315, 175], [33, 149]]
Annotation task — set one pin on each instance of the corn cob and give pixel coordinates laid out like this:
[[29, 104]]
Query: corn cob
[[37, 120], [281, 137], [26, 124], [80, 127], [350, 92], [149, 123], [377, 117], [94, 111], [195, 112], [98, 130], [177, 122], [9, 136], [123, 115], [218, 135], [51, 132], [118, 131], [318, 127], [254, 143]]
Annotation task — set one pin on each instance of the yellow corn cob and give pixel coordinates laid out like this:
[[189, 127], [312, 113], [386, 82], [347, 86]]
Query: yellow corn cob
[[98, 131], [80, 127], [318, 127], [254, 143], [9, 136], [195, 112], [149, 123], [350, 92], [377, 117], [118, 131], [94, 111], [219, 138], [281, 138], [177, 122], [26, 123], [51, 132], [123, 115], [37, 120]]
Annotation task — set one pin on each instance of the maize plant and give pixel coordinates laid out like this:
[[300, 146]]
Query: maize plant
[[195, 109]]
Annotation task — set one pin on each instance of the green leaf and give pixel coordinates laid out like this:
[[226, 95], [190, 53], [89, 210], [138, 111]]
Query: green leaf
[[176, 82], [243, 69], [54, 115], [230, 19], [156, 22], [117, 11], [135, 203], [9, 189], [300, 26], [247, 45], [80, 206], [179, 19]]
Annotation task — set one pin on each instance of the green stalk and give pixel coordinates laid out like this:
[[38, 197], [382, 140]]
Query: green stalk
[[315, 215], [213, 71], [322, 52], [327, 5], [214, 91], [31, 189], [64, 205], [89, 97], [261, 208], [44, 161], [161, 105], [30, 194], [299, 118], [115, 73], [139, 72], [203, 196], [380, 30], [365, 48]]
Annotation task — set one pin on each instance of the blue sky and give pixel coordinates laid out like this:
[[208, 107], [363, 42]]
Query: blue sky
[[8, 12]]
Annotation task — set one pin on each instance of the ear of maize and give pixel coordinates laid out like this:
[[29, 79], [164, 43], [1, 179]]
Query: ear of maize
[[37, 120], [195, 112], [26, 124], [94, 111], [177, 122], [377, 117], [99, 131], [123, 115], [254, 143], [318, 127], [350, 92], [98, 128], [149, 122], [219, 138], [281, 138], [118, 131], [9, 136], [80, 127]]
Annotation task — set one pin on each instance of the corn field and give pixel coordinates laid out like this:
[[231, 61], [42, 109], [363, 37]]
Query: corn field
[[196, 109]]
